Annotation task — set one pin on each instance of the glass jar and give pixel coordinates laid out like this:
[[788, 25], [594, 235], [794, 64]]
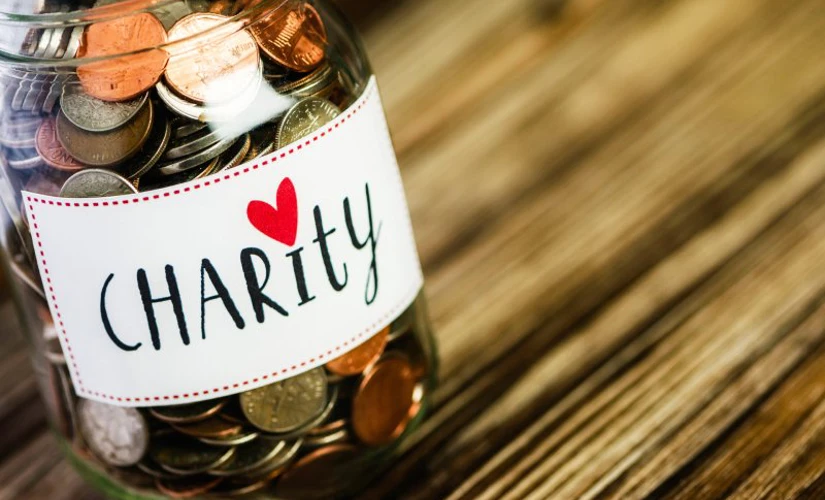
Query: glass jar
[[209, 241]]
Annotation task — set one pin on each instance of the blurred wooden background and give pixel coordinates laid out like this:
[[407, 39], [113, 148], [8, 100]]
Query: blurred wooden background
[[620, 209]]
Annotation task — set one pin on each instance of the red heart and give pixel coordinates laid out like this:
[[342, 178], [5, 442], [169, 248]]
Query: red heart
[[280, 224]]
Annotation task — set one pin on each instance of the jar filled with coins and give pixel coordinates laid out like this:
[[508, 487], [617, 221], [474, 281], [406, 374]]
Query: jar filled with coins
[[206, 229]]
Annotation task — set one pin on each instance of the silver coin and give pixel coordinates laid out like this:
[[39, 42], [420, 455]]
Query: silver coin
[[94, 115], [284, 457], [192, 144], [153, 149], [118, 436], [169, 14], [236, 154], [249, 457], [184, 127], [96, 183], [193, 161]]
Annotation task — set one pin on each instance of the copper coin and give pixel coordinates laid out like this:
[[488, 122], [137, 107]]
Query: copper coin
[[213, 428], [104, 149], [318, 474], [50, 149], [210, 70], [381, 406], [358, 359], [125, 77], [295, 38], [187, 487]]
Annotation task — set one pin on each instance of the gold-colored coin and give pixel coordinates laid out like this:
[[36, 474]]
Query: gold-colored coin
[[304, 118], [288, 404]]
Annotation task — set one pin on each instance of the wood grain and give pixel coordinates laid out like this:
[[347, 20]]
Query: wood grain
[[620, 209]]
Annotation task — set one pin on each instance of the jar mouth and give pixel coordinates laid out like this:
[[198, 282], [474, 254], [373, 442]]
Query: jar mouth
[[79, 19]]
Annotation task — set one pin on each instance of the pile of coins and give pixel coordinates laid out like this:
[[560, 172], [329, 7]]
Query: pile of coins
[[297, 438], [199, 92]]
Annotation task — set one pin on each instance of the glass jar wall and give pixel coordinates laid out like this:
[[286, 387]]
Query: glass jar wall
[[124, 98]]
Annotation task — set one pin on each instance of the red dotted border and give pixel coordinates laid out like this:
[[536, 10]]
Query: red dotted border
[[196, 185], [214, 179]]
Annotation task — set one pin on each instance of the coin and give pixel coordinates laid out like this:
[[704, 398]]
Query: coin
[[318, 474], [118, 436], [275, 466], [23, 159], [211, 67], [192, 143], [50, 149], [314, 422], [182, 127], [124, 77], [380, 408], [96, 183], [95, 115], [236, 154], [213, 427], [288, 404], [189, 413], [183, 455], [103, 149], [187, 487], [14, 134], [46, 181], [295, 39], [341, 436], [305, 117], [221, 112], [149, 466], [243, 437], [249, 457], [190, 162], [358, 359], [151, 152]]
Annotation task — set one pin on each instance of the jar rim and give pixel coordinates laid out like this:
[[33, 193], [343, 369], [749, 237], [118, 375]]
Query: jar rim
[[83, 18]]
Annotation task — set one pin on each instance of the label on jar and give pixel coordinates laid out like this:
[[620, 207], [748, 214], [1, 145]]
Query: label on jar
[[236, 280]]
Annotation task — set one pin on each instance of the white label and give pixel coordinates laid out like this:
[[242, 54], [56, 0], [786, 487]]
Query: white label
[[236, 280]]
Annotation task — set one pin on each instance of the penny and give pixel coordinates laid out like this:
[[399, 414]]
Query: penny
[[50, 149], [189, 413], [358, 359], [184, 455], [249, 457], [95, 115], [380, 408], [222, 112], [307, 116], [152, 151], [295, 39], [187, 487], [103, 149], [96, 183], [47, 181], [124, 77], [213, 427], [318, 474], [211, 67], [118, 436], [288, 404]]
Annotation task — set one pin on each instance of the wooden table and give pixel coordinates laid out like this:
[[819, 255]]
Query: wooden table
[[620, 209]]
